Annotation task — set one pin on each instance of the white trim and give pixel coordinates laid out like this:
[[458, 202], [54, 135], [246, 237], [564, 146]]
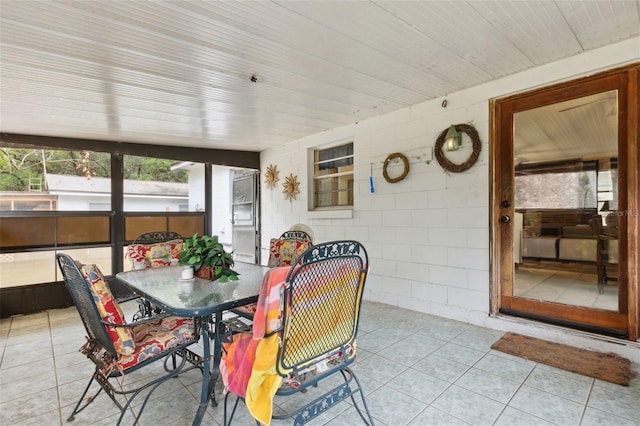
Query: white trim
[[332, 175], [330, 214]]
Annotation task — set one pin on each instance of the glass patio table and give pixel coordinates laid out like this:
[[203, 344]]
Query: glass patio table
[[202, 300]]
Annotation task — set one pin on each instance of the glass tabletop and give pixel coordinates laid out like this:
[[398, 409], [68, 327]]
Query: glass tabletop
[[196, 297]]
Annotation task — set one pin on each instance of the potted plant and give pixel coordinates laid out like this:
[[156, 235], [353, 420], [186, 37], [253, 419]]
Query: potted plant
[[208, 258]]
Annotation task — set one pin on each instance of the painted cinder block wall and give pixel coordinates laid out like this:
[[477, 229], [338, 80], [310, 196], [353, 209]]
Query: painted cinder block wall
[[428, 235]]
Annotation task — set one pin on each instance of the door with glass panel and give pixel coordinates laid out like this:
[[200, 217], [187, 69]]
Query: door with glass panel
[[559, 203], [244, 217]]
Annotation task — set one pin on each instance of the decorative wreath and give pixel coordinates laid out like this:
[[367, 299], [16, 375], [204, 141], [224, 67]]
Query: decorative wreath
[[405, 171], [477, 146]]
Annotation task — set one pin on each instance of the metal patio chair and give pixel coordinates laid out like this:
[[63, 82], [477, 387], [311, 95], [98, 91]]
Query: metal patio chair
[[296, 235], [318, 311], [117, 348], [283, 251], [170, 244]]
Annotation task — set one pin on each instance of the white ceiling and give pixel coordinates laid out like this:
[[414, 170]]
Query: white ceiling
[[179, 73], [584, 128]]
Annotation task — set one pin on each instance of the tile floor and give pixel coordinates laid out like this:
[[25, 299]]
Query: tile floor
[[416, 369], [569, 286]]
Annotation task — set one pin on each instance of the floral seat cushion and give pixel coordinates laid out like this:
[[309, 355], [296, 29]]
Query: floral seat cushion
[[109, 310], [140, 342], [285, 252], [152, 339], [155, 255]]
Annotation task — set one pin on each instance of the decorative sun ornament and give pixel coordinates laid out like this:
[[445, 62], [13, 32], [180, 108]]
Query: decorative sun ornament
[[271, 176], [290, 186]]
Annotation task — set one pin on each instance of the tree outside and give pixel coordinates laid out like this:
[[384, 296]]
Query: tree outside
[[20, 168]]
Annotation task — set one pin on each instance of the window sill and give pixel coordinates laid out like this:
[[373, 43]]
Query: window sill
[[330, 214]]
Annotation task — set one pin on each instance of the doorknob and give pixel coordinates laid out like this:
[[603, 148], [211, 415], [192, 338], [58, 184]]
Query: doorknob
[[505, 218], [506, 203]]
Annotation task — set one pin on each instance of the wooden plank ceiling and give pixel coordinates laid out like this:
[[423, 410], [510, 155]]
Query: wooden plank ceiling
[[179, 73]]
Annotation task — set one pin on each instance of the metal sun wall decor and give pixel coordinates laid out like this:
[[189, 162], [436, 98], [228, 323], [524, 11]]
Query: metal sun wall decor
[[271, 176], [291, 187]]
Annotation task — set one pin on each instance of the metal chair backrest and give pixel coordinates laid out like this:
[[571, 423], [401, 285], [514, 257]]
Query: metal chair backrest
[[296, 235], [83, 299], [321, 305], [157, 237], [137, 250]]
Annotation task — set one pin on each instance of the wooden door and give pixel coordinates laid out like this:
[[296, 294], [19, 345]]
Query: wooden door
[[555, 178]]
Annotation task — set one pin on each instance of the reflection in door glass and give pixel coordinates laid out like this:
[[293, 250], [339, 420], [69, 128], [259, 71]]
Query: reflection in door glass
[[566, 196]]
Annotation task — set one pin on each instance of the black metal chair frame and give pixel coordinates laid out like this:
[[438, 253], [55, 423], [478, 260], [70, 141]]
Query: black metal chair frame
[[145, 310], [157, 237], [296, 235], [300, 367], [100, 348]]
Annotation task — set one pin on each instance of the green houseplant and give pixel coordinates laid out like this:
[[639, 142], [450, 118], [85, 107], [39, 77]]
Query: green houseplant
[[208, 258]]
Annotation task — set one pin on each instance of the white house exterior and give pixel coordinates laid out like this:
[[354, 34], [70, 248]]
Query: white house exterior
[[428, 235], [82, 194]]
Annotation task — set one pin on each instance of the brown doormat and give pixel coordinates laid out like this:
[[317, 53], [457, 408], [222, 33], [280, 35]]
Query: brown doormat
[[604, 366]]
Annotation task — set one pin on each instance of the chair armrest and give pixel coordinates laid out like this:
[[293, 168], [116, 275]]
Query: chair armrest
[[146, 320]]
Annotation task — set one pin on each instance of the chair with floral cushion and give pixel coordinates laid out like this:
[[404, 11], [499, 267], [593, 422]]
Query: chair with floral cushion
[[283, 251], [154, 249], [304, 331], [117, 348], [296, 235]]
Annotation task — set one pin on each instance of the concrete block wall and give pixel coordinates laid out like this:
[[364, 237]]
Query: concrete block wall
[[428, 235]]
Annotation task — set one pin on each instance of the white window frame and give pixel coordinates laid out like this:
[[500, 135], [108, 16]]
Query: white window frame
[[336, 211]]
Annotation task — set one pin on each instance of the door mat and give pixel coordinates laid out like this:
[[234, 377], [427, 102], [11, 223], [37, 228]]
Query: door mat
[[604, 366]]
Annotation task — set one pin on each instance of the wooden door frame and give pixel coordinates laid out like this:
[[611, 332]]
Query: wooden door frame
[[500, 175]]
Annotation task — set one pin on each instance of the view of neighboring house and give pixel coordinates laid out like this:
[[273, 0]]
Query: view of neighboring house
[[79, 193]]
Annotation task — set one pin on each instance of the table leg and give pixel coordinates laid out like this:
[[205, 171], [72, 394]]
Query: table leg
[[217, 357], [205, 394], [210, 372]]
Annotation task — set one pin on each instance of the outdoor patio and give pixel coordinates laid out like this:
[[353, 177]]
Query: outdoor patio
[[416, 369]]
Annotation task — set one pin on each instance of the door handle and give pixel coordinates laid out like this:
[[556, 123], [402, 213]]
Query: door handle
[[505, 218], [506, 203]]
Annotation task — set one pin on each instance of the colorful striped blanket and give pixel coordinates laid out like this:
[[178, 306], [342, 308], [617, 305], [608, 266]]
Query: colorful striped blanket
[[327, 300], [248, 366]]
